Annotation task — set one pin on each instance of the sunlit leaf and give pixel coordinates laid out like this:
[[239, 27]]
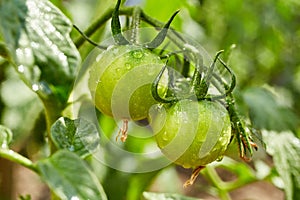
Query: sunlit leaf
[[285, 148], [37, 36], [79, 136], [265, 113], [5, 137], [69, 177], [165, 196]]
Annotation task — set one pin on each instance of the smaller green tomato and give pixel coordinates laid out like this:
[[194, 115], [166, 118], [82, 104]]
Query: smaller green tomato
[[120, 81], [191, 133]]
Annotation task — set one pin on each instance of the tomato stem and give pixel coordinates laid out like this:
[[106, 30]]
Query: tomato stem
[[218, 183], [136, 18], [99, 23], [193, 177], [18, 158], [123, 131], [88, 39]]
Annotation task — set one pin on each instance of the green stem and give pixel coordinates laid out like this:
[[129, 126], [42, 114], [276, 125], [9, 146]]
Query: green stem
[[218, 183], [99, 23], [53, 110], [225, 187], [128, 12], [136, 14], [17, 158]]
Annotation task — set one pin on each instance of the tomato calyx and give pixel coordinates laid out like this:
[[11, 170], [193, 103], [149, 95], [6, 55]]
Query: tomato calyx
[[199, 82], [123, 131], [121, 40], [193, 177], [199, 87], [116, 26]]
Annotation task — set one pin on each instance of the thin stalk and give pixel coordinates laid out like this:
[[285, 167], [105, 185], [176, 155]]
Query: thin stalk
[[99, 23], [53, 110], [17, 158], [218, 183], [135, 25]]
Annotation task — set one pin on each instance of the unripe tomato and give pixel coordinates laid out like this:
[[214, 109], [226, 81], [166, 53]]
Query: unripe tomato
[[120, 81], [191, 133]]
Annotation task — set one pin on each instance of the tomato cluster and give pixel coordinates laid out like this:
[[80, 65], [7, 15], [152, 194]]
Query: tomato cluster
[[131, 82]]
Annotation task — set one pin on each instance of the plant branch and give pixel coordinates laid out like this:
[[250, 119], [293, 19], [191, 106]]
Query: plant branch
[[217, 182], [99, 23], [17, 158]]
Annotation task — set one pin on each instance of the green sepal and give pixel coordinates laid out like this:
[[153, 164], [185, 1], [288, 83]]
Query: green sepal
[[162, 34], [116, 26]]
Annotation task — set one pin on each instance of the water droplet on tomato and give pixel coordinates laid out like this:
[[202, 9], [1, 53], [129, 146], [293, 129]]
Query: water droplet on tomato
[[165, 136], [128, 66], [138, 54]]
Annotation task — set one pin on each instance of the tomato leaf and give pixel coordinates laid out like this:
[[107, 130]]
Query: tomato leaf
[[69, 177], [37, 36], [165, 196], [5, 137], [285, 148], [266, 113], [4, 51], [79, 136]]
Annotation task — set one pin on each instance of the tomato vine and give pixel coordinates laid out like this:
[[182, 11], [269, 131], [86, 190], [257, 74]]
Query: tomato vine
[[199, 83]]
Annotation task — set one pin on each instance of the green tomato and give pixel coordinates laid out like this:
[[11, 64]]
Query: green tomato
[[120, 81], [191, 133]]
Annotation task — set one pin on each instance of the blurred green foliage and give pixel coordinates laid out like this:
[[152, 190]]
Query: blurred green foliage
[[266, 36]]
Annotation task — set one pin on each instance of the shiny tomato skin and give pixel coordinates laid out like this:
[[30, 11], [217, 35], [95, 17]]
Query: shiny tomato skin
[[191, 133], [120, 81]]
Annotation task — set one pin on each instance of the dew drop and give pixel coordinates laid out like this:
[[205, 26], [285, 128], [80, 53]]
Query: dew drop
[[138, 54], [128, 66], [35, 87], [165, 136], [21, 68]]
